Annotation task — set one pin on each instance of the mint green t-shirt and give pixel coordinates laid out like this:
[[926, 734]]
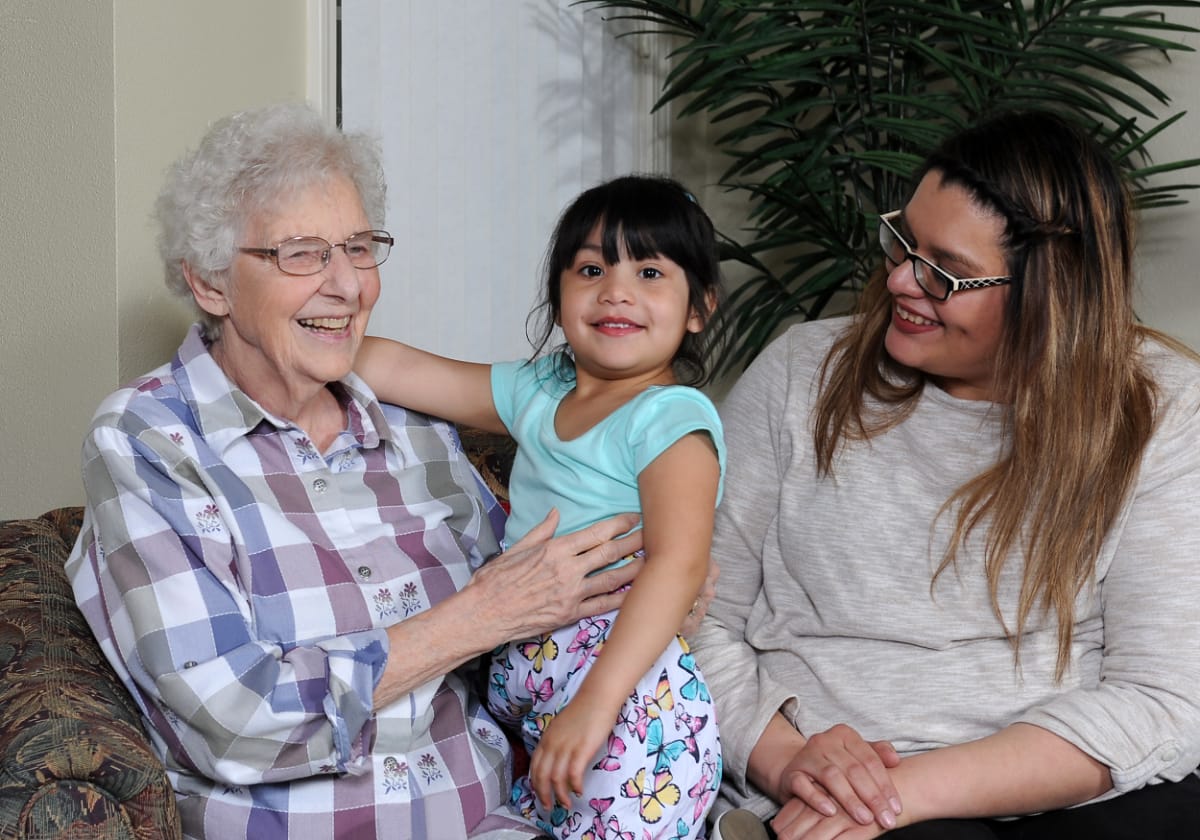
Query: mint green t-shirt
[[595, 475]]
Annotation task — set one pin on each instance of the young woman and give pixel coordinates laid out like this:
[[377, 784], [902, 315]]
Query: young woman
[[957, 542]]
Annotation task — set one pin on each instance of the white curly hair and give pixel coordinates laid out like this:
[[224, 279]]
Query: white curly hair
[[249, 163]]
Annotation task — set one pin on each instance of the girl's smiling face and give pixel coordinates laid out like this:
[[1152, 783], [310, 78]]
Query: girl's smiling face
[[953, 342], [625, 320]]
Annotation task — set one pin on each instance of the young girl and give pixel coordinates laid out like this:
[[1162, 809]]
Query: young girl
[[604, 427]]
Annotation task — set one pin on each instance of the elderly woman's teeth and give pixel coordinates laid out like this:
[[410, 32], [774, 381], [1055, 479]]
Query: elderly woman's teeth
[[333, 324]]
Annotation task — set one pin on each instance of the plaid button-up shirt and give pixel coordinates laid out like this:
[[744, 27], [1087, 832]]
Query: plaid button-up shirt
[[240, 582]]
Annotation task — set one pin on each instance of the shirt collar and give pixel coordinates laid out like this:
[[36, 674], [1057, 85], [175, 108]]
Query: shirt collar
[[224, 413]]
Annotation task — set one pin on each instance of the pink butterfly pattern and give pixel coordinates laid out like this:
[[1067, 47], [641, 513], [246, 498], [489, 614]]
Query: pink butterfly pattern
[[540, 692], [602, 829], [636, 720], [701, 792], [691, 726], [589, 638], [648, 779], [612, 757]]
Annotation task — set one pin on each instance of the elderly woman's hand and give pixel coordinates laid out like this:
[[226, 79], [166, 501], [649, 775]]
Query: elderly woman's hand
[[540, 584], [543, 583], [591, 548]]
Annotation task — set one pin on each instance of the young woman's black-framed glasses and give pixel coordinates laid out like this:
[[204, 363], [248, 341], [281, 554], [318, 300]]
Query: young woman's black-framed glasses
[[934, 280], [304, 255]]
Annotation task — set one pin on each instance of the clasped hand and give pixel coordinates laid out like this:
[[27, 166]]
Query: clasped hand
[[838, 786]]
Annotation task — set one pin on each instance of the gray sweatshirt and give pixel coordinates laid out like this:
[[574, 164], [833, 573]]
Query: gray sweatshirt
[[824, 607]]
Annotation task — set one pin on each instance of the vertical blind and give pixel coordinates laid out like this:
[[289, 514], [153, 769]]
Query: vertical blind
[[492, 115]]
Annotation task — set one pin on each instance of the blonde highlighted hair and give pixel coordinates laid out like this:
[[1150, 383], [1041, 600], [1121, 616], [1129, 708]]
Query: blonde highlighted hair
[[1078, 403]]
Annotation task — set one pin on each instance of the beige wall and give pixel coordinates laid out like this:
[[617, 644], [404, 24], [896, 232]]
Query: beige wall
[[180, 65], [99, 98], [58, 237]]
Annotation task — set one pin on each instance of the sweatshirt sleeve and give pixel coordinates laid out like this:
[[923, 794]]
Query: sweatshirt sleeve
[[1143, 717], [754, 415]]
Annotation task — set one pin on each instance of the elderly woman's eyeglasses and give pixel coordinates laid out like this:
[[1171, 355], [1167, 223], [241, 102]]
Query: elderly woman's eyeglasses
[[934, 280], [304, 255]]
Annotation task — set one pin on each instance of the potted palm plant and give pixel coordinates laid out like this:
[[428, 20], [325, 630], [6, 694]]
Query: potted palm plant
[[825, 107]]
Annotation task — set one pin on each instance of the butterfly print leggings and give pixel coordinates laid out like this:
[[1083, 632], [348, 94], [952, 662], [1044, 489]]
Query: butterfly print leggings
[[659, 771]]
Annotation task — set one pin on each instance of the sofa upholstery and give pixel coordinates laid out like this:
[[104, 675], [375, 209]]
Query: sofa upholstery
[[75, 761]]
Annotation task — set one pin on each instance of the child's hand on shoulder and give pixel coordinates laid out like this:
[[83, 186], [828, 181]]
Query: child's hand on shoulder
[[568, 749]]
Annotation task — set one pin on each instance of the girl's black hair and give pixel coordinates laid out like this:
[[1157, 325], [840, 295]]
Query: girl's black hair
[[647, 216]]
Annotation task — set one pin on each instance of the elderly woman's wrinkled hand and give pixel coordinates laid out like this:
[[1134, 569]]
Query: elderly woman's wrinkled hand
[[543, 582]]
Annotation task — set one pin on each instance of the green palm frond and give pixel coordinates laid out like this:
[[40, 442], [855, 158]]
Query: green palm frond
[[825, 109]]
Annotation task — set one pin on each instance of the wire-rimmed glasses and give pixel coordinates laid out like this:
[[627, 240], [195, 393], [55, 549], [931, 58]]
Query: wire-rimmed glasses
[[304, 255]]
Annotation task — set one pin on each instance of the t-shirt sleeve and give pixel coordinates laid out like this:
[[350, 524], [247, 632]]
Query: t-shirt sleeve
[[514, 384], [747, 697], [506, 378], [666, 415]]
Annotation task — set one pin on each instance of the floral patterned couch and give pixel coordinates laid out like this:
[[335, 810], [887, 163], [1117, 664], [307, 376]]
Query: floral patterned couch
[[75, 761]]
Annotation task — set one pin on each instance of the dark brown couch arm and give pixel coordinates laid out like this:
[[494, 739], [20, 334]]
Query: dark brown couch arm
[[74, 759]]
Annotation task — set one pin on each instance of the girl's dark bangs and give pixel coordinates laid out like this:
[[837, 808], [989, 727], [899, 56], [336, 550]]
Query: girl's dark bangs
[[636, 229], [631, 236], [637, 218]]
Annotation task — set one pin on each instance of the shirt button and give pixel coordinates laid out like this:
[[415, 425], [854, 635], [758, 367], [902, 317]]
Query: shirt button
[[319, 485], [191, 663], [1169, 755], [364, 572]]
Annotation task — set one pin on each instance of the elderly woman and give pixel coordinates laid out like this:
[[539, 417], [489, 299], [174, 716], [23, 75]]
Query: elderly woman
[[286, 573]]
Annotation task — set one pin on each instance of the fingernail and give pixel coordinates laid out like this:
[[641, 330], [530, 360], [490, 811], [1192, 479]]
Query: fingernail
[[888, 819], [895, 803], [828, 809], [863, 816]]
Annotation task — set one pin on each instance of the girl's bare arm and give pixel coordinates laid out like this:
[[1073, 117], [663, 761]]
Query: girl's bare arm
[[678, 492], [460, 392]]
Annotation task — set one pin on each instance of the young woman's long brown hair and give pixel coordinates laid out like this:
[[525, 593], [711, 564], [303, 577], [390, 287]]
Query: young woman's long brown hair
[[1078, 403]]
